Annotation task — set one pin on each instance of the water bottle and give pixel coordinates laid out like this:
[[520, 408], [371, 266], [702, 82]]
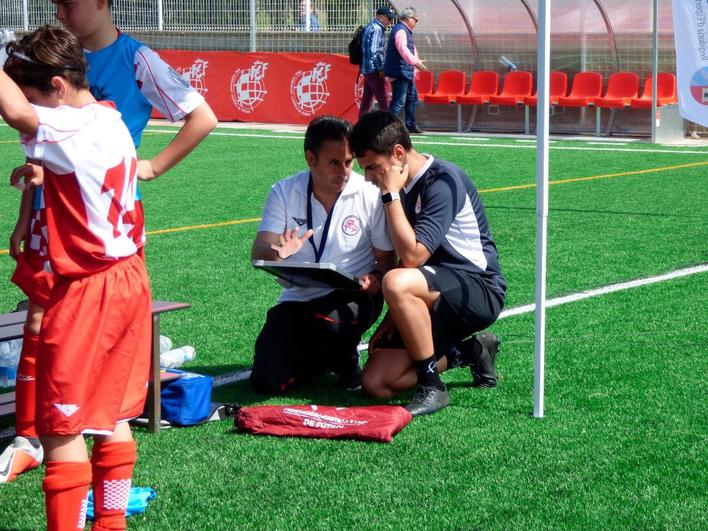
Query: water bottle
[[9, 359], [165, 344], [174, 358], [510, 67]]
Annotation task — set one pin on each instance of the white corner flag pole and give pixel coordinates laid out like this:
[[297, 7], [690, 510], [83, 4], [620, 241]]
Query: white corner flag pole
[[542, 117]]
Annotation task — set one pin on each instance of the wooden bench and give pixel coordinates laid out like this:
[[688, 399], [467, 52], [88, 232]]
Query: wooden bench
[[12, 325]]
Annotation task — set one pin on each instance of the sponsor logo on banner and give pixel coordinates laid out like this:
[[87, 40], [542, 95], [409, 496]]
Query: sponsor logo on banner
[[699, 86], [247, 87], [308, 89], [351, 226], [691, 40], [194, 75]]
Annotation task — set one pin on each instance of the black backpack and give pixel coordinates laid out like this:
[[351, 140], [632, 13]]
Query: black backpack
[[355, 45]]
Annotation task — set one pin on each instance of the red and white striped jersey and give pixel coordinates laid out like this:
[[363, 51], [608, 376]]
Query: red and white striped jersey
[[90, 177]]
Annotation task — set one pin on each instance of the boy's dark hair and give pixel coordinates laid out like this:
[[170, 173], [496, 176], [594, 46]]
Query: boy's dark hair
[[324, 128], [46, 52], [378, 131]]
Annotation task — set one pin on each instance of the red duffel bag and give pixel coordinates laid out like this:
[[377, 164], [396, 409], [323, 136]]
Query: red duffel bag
[[366, 423]]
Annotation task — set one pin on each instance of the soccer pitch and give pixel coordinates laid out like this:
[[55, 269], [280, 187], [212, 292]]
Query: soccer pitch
[[623, 443]]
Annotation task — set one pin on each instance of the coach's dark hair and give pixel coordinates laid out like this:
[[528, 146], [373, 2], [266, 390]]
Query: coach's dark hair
[[324, 128], [379, 131], [46, 52]]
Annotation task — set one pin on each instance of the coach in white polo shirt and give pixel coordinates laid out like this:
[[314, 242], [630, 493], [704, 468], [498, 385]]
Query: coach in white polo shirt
[[326, 214]]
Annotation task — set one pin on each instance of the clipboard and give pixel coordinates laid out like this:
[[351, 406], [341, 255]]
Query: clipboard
[[309, 274]]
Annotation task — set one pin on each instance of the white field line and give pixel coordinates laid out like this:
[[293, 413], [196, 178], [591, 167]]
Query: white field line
[[423, 141], [574, 297], [464, 144]]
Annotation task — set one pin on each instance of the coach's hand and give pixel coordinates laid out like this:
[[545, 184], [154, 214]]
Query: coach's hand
[[371, 282], [289, 243], [393, 178]]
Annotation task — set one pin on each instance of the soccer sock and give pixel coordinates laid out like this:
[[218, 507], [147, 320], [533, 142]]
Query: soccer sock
[[65, 488], [25, 399], [112, 464], [427, 371]]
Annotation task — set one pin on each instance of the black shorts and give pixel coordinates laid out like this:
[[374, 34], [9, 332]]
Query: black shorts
[[301, 341], [466, 305]]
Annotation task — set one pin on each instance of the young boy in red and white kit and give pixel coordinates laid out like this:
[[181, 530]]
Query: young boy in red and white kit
[[95, 335]]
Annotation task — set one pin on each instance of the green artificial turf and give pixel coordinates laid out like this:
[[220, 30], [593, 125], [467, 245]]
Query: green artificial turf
[[623, 441]]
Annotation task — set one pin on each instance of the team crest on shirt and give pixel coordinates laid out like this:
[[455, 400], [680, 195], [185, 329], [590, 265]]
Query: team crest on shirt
[[418, 205], [351, 226]]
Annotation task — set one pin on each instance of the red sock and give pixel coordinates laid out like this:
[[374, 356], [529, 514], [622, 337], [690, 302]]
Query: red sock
[[65, 488], [112, 464], [25, 399]]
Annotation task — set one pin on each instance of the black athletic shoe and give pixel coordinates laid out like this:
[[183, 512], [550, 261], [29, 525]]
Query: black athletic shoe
[[482, 368], [350, 381], [428, 399], [415, 130]]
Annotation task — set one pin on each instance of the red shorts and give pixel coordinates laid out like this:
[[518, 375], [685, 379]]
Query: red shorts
[[33, 277], [95, 344]]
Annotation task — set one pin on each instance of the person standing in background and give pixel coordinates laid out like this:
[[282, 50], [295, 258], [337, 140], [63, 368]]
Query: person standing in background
[[372, 64], [400, 65]]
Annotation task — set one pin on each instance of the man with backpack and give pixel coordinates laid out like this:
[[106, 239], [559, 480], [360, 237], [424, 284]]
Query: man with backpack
[[372, 61]]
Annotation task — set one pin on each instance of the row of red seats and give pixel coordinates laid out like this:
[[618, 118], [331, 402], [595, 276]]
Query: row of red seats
[[622, 89]]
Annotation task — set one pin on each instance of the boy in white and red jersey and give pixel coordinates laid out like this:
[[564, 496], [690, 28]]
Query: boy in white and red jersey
[[132, 76], [96, 327]]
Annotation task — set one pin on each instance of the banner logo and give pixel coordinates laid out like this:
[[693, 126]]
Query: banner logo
[[308, 89], [194, 75], [699, 86], [247, 88]]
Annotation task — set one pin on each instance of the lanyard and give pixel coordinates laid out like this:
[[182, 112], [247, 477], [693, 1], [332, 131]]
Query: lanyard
[[325, 229]]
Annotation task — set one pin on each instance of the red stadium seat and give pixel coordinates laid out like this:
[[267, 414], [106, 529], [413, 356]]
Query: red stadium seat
[[622, 87], [424, 82], [587, 86], [558, 89], [666, 93], [451, 84], [517, 85], [483, 85]]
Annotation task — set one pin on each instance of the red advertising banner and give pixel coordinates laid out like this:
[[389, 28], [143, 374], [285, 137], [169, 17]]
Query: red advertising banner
[[286, 88]]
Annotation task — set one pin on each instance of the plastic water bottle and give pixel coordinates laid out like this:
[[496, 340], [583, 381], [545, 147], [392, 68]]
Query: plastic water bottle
[[174, 358], [9, 359], [165, 344], [511, 67]]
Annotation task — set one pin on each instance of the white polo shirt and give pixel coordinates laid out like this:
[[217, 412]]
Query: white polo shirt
[[358, 225]]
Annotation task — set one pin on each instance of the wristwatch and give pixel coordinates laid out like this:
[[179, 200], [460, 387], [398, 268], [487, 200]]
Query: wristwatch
[[389, 197]]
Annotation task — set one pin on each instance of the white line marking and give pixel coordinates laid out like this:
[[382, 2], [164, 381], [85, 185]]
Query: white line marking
[[477, 138], [574, 297], [527, 308], [608, 143], [231, 377]]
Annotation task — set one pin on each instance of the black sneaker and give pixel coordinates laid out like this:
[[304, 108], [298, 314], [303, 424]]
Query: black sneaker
[[428, 399], [482, 368], [350, 381], [415, 130]]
